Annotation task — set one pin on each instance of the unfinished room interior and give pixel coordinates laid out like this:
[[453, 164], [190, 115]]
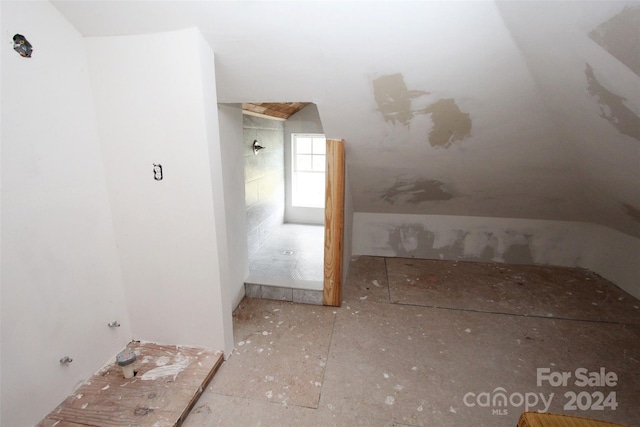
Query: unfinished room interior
[[320, 213]]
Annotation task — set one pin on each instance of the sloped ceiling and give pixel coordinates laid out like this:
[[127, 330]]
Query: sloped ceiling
[[501, 109]]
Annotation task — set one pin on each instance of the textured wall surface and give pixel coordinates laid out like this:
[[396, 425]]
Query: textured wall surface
[[264, 178]]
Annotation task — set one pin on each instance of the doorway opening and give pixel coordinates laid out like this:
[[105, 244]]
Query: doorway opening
[[285, 225]]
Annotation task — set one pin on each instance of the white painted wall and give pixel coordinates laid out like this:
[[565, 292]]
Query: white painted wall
[[611, 254], [1, 194], [306, 120], [229, 286], [61, 276], [347, 232], [232, 150], [614, 256], [156, 104]]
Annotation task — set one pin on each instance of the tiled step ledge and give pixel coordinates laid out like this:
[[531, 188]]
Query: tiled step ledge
[[301, 291]]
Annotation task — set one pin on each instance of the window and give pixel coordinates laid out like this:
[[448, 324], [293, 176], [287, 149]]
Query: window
[[308, 154]]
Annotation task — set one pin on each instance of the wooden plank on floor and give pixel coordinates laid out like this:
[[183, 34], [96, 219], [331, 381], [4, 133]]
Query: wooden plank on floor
[[48, 422], [168, 382]]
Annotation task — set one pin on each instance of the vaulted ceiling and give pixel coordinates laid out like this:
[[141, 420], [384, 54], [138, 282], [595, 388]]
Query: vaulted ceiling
[[501, 109]]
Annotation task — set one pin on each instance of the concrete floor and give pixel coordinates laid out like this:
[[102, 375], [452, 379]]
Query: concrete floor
[[433, 343]]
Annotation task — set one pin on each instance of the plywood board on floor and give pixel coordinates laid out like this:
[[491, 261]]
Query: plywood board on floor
[[280, 354], [414, 365], [168, 381], [410, 362], [367, 280], [527, 290]]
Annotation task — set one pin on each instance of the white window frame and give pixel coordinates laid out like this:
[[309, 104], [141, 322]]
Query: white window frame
[[295, 196]]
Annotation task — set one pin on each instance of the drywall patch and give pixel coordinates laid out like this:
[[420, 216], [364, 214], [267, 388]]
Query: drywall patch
[[416, 191], [394, 99], [414, 241], [417, 241], [449, 123], [612, 107], [633, 212], [620, 36], [519, 253]]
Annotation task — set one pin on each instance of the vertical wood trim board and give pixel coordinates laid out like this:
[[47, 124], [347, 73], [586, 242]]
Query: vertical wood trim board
[[333, 222]]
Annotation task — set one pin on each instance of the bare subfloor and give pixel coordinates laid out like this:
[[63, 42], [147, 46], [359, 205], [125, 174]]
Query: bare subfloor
[[433, 343]]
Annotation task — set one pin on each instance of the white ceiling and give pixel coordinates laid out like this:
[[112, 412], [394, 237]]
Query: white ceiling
[[454, 108]]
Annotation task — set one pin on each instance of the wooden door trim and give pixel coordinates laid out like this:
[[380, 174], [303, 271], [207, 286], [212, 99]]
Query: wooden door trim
[[333, 222]]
